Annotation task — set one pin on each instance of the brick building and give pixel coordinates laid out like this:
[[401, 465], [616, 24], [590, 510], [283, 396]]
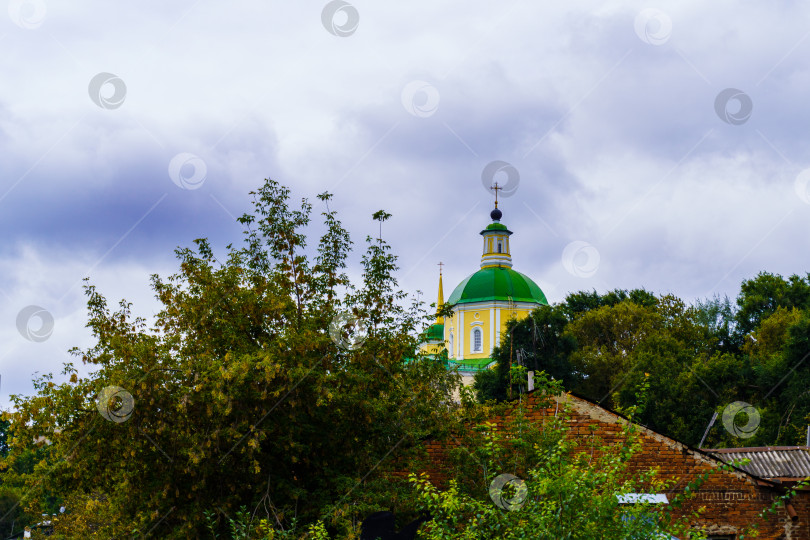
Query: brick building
[[732, 499]]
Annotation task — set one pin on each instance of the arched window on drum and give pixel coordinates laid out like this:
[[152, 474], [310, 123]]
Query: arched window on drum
[[477, 340]]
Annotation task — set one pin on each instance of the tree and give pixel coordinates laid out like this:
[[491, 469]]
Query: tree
[[578, 303], [719, 316], [604, 351], [241, 394], [772, 375], [541, 342], [781, 361], [607, 338], [761, 296], [538, 343]]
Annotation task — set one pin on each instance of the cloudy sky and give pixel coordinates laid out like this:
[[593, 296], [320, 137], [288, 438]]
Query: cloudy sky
[[657, 145]]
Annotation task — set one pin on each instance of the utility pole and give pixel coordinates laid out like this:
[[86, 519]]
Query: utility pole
[[511, 342]]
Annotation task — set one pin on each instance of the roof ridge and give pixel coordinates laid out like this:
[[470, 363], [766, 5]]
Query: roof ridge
[[756, 449]]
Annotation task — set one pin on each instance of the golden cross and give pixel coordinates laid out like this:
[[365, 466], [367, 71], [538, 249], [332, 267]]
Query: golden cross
[[495, 188], [440, 267]]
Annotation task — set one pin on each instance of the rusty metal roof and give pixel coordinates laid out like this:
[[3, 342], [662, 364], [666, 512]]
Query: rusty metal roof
[[779, 462]]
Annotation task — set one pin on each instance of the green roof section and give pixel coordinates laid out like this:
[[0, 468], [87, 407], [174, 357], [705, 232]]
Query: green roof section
[[497, 283], [478, 364], [496, 227], [435, 332]]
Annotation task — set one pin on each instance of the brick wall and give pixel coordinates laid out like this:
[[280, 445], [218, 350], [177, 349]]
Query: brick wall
[[733, 499]]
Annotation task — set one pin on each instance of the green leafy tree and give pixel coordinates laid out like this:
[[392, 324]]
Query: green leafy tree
[[782, 390], [719, 316], [541, 342], [581, 302], [607, 337], [761, 296], [242, 394], [698, 359], [604, 352], [772, 374], [538, 343]]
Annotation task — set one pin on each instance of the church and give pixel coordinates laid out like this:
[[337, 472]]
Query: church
[[482, 304]]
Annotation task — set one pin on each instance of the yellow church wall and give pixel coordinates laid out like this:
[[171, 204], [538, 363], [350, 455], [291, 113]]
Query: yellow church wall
[[486, 313]]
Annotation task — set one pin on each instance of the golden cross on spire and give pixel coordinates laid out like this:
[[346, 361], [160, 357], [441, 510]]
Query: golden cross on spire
[[440, 267], [495, 188]]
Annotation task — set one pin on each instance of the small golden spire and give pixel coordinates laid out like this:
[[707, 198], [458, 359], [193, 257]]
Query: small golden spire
[[440, 303]]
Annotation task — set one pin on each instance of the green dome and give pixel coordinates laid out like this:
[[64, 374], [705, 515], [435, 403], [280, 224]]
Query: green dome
[[497, 283], [435, 332]]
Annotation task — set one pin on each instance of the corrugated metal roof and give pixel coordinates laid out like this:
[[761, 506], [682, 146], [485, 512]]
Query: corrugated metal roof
[[769, 461]]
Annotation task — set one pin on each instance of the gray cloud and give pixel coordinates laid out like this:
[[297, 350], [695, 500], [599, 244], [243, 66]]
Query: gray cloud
[[616, 140]]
